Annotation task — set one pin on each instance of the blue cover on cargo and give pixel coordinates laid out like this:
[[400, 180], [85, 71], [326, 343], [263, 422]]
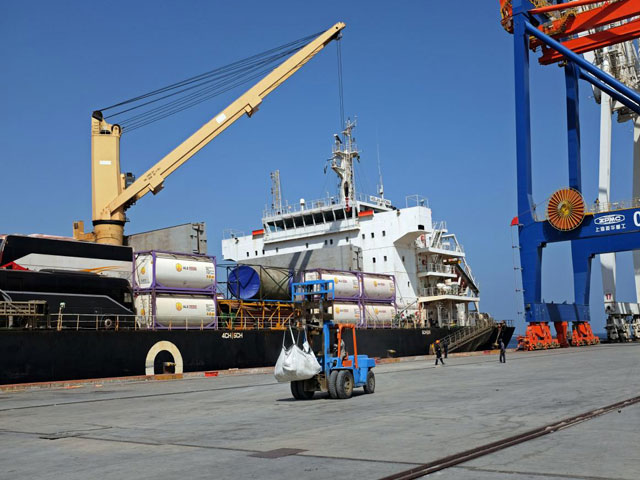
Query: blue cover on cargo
[[244, 282]]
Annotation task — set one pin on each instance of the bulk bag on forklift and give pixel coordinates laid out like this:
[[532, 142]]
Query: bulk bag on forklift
[[295, 363]]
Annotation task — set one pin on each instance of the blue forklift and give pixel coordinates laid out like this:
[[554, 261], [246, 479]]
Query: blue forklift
[[341, 372]]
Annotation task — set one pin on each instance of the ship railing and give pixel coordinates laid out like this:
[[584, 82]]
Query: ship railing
[[307, 205], [229, 233], [416, 201], [435, 267], [72, 321], [379, 323], [447, 246], [446, 290], [441, 245], [316, 204]]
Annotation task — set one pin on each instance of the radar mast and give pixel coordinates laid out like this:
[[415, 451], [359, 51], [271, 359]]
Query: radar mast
[[344, 152]]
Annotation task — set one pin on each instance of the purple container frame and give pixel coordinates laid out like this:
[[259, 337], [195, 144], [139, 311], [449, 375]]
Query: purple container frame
[[156, 287], [361, 299]]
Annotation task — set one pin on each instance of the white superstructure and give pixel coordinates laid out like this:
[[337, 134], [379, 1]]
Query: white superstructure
[[367, 233]]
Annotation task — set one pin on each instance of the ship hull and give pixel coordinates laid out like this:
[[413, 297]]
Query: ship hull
[[49, 355]]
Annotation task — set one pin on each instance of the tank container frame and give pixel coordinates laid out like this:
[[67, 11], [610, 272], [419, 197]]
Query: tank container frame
[[157, 288], [361, 300]]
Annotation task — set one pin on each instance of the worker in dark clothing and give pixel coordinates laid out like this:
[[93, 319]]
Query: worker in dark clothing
[[503, 351], [445, 347], [438, 352]]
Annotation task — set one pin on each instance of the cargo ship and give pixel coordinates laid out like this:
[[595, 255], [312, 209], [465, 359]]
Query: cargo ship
[[72, 309]]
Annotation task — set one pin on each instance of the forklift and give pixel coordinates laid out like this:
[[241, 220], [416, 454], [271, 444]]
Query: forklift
[[340, 373]]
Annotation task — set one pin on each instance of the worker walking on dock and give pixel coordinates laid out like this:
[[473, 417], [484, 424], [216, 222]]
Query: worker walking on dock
[[503, 350], [438, 352]]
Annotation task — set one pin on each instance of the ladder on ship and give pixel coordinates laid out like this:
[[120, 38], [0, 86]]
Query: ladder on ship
[[465, 335]]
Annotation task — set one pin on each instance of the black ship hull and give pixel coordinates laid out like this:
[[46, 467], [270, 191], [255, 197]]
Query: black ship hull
[[42, 355]]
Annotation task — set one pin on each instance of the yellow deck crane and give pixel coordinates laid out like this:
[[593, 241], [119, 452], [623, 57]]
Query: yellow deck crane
[[110, 195]]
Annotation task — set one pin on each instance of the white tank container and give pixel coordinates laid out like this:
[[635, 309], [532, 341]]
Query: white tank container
[[175, 271], [377, 287], [346, 313], [346, 284], [375, 313], [177, 311]]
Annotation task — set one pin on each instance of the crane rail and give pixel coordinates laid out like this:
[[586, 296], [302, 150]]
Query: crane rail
[[467, 455]]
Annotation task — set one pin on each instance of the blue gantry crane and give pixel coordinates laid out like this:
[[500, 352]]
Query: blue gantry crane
[[564, 31]]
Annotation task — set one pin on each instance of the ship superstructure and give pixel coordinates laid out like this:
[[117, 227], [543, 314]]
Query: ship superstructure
[[366, 233]]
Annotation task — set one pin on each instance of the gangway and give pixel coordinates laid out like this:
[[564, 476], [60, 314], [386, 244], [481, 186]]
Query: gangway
[[464, 336]]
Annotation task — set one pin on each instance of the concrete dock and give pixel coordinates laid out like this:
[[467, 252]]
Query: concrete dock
[[248, 426]]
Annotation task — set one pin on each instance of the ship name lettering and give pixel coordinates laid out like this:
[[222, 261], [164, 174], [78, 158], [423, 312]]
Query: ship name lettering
[[636, 218], [232, 336]]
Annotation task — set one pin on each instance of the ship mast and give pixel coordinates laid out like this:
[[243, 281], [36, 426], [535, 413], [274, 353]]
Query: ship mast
[[344, 152], [276, 192]]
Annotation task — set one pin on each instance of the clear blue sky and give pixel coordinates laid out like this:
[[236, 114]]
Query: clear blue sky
[[430, 82]]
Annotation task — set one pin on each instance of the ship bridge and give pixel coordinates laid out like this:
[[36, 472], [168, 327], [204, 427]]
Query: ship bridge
[[318, 217]]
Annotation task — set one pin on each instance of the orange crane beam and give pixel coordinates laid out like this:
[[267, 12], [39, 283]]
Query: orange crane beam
[[562, 6], [591, 19], [605, 38]]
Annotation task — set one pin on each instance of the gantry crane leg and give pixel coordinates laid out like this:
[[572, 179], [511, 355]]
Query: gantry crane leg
[[636, 194], [607, 260], [567, 217]]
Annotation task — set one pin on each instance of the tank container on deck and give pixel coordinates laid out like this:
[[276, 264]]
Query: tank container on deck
[[347, 313], [249, 282], [174, 271], [176, 311], [346, 284], [378, 287], [379, 314]]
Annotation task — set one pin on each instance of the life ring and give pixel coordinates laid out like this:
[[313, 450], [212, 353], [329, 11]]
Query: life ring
[[163, 346], [424, 262]]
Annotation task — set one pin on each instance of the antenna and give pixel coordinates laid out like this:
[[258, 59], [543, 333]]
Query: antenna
[[276, 192], [381, 185]]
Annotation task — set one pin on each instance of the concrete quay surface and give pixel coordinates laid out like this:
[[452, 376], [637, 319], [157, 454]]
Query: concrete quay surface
[[229, 426]]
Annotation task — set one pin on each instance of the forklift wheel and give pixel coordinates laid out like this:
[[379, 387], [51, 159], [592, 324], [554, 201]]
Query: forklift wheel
[[333, 377], [294, 390], [344, 384], [298, 391], [370, 386]]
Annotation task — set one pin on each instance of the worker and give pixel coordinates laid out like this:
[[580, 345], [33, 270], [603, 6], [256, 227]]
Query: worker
[[503, 350], [439, 353], [343, 350], [445, 347]]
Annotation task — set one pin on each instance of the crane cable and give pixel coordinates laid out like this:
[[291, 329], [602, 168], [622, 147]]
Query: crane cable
[[191, 91], [340, 85]]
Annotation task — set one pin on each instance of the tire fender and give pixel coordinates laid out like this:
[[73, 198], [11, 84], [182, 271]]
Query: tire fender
[[163, 346]]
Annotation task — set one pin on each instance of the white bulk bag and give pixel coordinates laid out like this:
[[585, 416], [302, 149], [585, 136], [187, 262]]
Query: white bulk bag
[[295, 363]]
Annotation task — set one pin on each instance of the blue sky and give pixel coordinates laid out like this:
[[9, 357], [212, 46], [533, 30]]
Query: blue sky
[[431, 86]]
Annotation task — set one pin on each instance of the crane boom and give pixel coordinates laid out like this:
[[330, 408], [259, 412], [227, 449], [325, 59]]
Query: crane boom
[[111, 196]]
